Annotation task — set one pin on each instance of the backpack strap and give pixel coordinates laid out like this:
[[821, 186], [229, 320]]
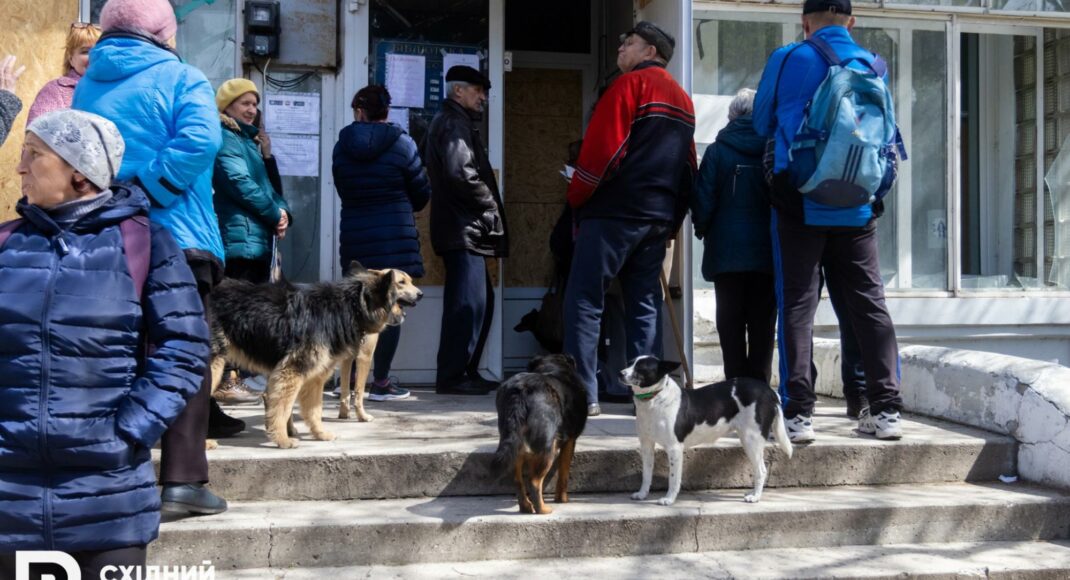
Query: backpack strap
[[137, 246], [825, 50], [776, 87], [7, 228]]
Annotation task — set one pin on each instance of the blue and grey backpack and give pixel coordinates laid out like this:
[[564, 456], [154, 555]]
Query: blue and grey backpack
[[844, 153]]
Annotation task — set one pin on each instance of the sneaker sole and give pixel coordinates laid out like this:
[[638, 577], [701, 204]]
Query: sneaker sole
[[174, 507], [388, 397]]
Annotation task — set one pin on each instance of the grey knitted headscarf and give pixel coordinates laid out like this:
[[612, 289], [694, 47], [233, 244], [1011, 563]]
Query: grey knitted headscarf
[[90, 143]]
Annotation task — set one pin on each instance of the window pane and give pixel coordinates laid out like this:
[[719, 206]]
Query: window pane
[[1057, 156], [729, 55], [928, 136], [301, 247], [999, 162]]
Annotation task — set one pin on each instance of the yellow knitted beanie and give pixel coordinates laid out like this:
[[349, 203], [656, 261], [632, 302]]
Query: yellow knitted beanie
[[229, 92]]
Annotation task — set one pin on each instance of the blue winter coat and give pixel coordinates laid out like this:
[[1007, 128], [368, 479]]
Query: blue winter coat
[[730, 205], [381, 182], [166, 113], [77, 416]]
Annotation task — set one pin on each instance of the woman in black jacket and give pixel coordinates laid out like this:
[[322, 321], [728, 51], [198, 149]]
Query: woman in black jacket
[[381, 182]]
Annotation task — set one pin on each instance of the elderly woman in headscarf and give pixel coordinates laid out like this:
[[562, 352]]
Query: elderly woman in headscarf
[[102, 342]]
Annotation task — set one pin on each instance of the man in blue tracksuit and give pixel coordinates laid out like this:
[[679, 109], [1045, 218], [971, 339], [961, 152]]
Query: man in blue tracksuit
[[846, 242]]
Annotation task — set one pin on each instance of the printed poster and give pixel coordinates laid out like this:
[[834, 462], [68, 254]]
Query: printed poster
[[293, 113], [405, 79], [297, 155]]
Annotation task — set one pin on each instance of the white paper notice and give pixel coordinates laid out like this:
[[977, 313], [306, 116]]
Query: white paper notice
[[293, 113], [451, 59], [297, 155], [399, 117], [405, 75]]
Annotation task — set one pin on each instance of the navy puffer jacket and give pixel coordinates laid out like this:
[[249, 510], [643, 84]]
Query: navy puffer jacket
[[730, 204], [381, 182], [77, 415]]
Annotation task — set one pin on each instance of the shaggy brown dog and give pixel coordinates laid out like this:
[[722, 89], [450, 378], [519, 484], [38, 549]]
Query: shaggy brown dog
[[298, 336]]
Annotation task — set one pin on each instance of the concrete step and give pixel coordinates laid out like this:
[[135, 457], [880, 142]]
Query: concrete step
[[430, 446], [989, 560], [451, 529]]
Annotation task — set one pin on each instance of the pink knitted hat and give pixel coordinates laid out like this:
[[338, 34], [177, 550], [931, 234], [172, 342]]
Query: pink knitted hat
[[153, 17]]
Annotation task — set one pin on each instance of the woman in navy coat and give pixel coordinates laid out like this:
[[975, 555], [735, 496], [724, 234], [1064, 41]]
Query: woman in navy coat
[[92, 367], [381, 182]]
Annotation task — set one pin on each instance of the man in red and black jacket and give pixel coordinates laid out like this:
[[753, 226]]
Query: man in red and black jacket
[[629, 193]]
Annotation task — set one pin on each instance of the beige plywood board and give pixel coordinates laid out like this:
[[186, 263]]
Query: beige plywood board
[[530, 263], [34, 31], [536, 152]]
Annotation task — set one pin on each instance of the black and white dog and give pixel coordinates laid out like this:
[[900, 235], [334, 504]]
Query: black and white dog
[[676, 419]]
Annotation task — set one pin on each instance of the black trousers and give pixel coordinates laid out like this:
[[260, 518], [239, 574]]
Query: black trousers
[[746, 323], [182, 458], [255, 271], [467, 312], [851, 253], [852, 375], [91, 562]]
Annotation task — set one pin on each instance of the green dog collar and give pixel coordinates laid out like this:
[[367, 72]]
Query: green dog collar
[[647, 396]]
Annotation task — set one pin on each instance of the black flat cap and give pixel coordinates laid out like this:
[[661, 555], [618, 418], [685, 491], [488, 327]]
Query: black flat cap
[[662, 41], [837, 6], [467, 74]]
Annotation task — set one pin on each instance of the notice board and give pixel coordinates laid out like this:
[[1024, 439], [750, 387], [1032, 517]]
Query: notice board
[[433, 55]]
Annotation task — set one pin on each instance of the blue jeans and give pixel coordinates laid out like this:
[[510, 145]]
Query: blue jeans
[[606, 248]]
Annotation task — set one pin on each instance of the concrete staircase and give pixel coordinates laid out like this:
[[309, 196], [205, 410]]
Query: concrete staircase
[[410, 496]]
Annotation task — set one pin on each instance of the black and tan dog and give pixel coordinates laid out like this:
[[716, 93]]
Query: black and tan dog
[[297, 336], [541, 413]]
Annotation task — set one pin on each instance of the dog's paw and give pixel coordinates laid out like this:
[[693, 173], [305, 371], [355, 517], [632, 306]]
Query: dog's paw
[[343, 412], [365, 418], [666, 501], [752, 498], [210, 444], [324, 436], [527, 508], [639, 496], [562, 499], [287, 443], [545, 510]]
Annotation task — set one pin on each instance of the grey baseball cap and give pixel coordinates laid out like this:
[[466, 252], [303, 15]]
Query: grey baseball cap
[[653, 34]]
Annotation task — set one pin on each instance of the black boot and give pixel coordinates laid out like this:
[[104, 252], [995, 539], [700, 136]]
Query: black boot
[[221, 425]]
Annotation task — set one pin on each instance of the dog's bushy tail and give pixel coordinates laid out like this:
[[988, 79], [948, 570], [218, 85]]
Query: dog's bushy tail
[[780, 432], [512, 413]]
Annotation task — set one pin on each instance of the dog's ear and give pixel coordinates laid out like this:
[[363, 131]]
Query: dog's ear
[[571, 362], [527, 322], [667, 366], [355, 267], [386, 288]]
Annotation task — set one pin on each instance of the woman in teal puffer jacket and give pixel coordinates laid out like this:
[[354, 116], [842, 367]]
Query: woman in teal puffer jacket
[[250, 209]]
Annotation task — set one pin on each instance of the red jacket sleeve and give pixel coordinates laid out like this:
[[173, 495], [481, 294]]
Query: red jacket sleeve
[[604, 144]]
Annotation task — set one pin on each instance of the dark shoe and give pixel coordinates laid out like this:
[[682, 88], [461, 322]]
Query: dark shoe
[[486, 383], [462, 387], [389, 392], [221, 425], [593, 410], [855, 406], [191, 498]]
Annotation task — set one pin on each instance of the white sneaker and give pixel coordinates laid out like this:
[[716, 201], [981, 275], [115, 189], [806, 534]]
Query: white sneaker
[[886, 425], [800, 429]]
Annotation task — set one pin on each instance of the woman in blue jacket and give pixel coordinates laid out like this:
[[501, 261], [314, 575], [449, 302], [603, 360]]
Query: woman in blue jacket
[[381, 182], [730, 211], [165, 110], [93, 367]]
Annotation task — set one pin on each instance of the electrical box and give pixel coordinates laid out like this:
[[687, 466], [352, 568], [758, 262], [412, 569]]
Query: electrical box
[[311, 39], [262, 28]]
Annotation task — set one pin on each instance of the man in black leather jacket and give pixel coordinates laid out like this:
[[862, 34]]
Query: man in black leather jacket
[[467, 225]]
